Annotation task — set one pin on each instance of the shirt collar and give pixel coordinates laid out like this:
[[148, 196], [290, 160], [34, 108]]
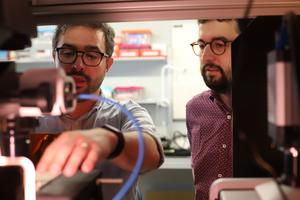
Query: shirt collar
[[214, 97]]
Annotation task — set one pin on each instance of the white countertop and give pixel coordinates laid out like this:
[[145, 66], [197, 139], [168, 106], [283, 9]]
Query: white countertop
[[173, 162]]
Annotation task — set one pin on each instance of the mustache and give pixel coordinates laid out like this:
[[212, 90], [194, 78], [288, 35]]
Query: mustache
[[211, 65], [74, 72]]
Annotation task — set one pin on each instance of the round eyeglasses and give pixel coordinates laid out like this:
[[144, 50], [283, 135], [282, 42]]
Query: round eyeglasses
[[217, 46], [89, 58]]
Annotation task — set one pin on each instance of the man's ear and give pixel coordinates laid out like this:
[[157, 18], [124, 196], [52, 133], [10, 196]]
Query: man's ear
[[54, 58], [53, 54], [109, 62]]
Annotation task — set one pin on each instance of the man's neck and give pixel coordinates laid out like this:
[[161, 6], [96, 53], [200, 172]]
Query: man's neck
[[83, 107], [226, 98]]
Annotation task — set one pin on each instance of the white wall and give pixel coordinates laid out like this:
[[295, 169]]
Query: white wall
[[177, 36], [188, 81], [178, 86]]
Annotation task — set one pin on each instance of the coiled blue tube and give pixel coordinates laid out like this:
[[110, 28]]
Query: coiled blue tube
[[135, 172]]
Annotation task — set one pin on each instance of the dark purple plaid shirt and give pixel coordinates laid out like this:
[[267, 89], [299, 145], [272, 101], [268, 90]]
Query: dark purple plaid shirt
[[209, 131]]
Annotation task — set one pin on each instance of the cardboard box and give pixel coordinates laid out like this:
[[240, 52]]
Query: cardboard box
[[149, 53], [129, 53]]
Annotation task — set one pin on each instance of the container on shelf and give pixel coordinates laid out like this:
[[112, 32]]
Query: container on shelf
[[128, 93], [129, 53], [24, 54], [118, 41], [107, 91], [149, 53], [46, 32], [4, 55], [136, 39]]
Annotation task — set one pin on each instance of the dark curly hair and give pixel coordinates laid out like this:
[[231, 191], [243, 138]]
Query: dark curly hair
[[241, 23], [108, 31]]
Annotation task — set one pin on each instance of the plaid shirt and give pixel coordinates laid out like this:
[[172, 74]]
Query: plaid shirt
[[210, 136]]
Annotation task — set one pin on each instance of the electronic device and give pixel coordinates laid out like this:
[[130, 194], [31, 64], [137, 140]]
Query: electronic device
[[249, 99], [81, 186], [23, 97], [266, 84], [17, 178]]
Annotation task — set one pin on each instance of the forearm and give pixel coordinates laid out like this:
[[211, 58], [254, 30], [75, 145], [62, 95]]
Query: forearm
[[82, 149], [127, 159]]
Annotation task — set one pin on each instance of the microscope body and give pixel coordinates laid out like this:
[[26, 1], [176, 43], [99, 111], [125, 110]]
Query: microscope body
[[23, 98]]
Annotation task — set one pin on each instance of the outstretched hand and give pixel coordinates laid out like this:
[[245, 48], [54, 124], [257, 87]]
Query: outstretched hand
[[76, 150]]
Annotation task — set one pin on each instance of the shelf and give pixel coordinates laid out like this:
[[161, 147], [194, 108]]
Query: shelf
[[148, 101], [158, 58], [47, 60], [44, 60]]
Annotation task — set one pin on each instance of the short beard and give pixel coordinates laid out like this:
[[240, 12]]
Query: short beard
[[88, 80], [223, 85]]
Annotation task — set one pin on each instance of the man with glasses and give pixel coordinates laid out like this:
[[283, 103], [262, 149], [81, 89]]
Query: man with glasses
[[209, 114], [95, 133]]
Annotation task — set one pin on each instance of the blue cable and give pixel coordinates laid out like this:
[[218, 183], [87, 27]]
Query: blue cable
[[135, 172], [282, 38]]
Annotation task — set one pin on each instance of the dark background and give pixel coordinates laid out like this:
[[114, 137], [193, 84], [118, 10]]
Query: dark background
[[249, 99]]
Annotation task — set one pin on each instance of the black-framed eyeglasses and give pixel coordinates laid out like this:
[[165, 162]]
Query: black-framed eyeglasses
[[89, 58], [217, 46]]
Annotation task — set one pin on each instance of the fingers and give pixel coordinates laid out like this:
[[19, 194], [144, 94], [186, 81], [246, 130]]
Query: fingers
[[76, 158], [67, 153], [91, 159], [54, 156], [75, 150]]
